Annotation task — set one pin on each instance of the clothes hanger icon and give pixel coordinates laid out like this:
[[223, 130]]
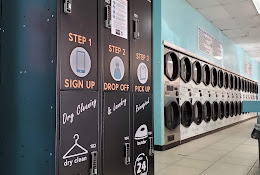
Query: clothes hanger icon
[[67, 156]]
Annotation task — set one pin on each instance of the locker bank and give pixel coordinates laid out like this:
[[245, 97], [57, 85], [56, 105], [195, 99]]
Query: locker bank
[[129, 87]]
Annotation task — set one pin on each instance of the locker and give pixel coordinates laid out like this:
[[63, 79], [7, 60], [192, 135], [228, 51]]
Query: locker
[[143, 155], [116, 144], [77, 45], [78, 145]]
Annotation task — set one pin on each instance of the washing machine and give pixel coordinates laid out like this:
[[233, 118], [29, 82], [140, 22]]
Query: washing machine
[[231, 112], [226, 119], [214, 82], [226, 86], [207, 118], [186, 118], [231, 87]]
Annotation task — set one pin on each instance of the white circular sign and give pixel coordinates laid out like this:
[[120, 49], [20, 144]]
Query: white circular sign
[[142, 73], [141, 165], [80, 62], [117, 68]]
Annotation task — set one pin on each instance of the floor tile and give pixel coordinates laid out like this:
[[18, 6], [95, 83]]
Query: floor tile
[[167, 159], [257, 164], [192, 163], [159, 166], [179, 170], [243, 155], [227, 169], [253, 149], [237, 161], [222, 146], [254, 171], [207, 154]]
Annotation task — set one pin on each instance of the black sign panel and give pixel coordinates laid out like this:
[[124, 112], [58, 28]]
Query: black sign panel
[[115, 53], [141, 45], [116, 134], [78, 46], [143, 159], [78, 133]]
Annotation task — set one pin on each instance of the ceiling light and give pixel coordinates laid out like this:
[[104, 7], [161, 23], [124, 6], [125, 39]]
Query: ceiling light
[[257, 5]]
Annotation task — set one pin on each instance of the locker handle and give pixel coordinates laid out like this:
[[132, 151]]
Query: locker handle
[[136, 29], [93, 170], [67, 6], [127, 153], [108, 16], [151, 147]]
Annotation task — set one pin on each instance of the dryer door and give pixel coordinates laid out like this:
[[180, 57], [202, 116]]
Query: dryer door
[[231, 81], [171, 66], [172, 115], [207, 112], [197, 72], [206, 75], [214, 77], [231, 109], [226, 80], [220, 78], [186, 114], [186, 69], [215, 111], [239, 108], [198, 112], [235, 108], [227, 109], [221, 110]]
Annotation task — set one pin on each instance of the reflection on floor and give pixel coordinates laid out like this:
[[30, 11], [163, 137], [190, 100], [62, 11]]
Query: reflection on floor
[[228, 152]]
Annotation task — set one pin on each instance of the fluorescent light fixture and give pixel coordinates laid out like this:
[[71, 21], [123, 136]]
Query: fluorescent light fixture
[[257, 5]]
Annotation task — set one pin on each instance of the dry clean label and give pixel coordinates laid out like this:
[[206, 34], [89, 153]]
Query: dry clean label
[[119, 25]]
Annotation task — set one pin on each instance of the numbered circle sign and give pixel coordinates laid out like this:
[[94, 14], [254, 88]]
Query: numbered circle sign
[[141, 165]]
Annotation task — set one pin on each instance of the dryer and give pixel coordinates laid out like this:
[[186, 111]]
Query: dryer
[[171, 104], [197, 85]]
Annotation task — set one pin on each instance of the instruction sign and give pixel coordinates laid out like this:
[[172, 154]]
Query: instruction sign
[[119, 18], [78, 132], [209, 45]]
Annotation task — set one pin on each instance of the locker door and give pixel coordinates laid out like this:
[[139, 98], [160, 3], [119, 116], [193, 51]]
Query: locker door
[[77, 44], [116, 145], [143, 157], [78, 133]]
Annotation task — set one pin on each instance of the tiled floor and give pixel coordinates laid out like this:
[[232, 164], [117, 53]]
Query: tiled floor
[[228, 152]]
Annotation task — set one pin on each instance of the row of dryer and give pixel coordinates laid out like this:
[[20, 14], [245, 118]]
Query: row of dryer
[[200, 97]]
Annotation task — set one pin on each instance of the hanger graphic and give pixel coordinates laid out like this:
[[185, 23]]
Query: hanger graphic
[[67, 156]]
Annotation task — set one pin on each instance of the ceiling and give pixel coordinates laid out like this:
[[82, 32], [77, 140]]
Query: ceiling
[[237, 19]]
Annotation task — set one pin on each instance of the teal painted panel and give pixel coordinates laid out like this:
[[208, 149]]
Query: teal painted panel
[[158, 77], [251, 106], [27, 88]]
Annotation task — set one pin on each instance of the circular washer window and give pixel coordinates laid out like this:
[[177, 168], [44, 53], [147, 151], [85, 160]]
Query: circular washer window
[[235, 82], [214, 77], [257, 88], [196, 72], [221, 110], [186, 114], [231, 111], [207, 112], [206, 75], [226, 82], [231, 81], [227, 109], [171, 66], [239, 83], [215, 111], [172, 115], [198, 112], [235, 108], [186, 69], [239, 112], [220, 78]]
